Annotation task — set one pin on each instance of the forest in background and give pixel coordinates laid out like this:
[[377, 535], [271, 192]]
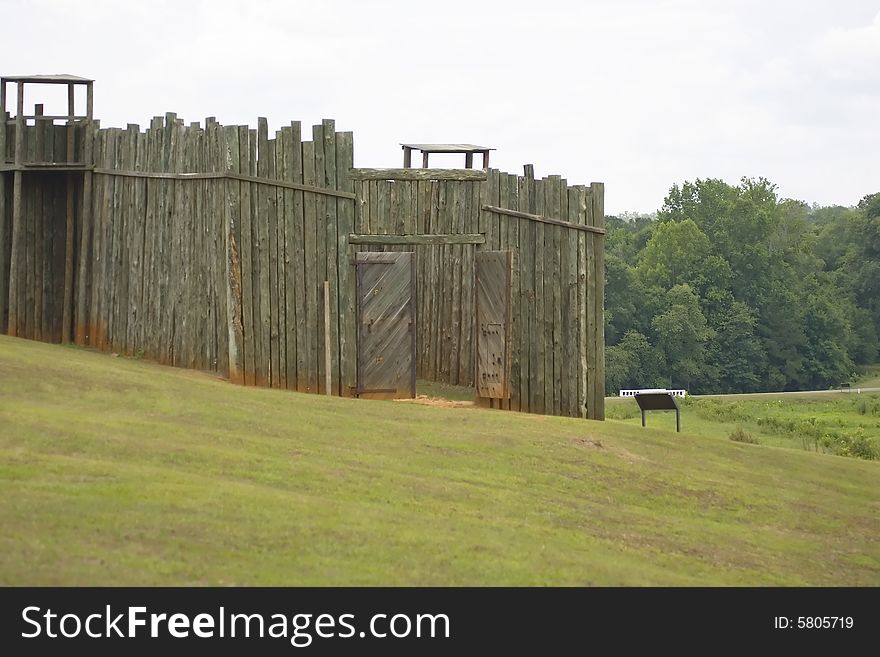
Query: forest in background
[[731, 289]]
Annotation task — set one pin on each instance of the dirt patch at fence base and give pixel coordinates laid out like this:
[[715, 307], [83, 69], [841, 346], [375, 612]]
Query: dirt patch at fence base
[[437, 401]]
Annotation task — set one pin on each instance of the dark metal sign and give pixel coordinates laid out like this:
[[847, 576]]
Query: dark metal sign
[[658, 401]]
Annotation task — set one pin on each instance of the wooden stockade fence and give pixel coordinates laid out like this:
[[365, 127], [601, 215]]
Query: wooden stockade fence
[[194, 245], [557, 358], [208, 246]]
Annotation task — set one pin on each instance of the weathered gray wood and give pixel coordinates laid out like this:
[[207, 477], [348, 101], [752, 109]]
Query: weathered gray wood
[[252, 161], [4, 239], [328, 180], [276, 281], [469, 276], [590, 299], [504, 200], [44, 166], [152, 219], [180, 231], [310, 227], [582, 305], [493, 275], [386, 339], [127, 298], [571, 319], [346, 290], [417, 174], [543, 219], [67, 307], [559, 364], [471, 238], [86, 220], [203, 337], [38, 265], [562, 341], [513, 360], [100, 296], [527, 283], [440, 281], [297, 274], [372, 221], [263, 252], [382, 221], [455, 318], [465, 360], [284, 165], [328, 338], [321, 254], [539, 341], [534, 251], [435, 273], [598, 200], [209, 176], [247, 266]]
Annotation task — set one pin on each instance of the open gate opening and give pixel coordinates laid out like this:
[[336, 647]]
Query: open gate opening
[[498, 286], [387, 324]]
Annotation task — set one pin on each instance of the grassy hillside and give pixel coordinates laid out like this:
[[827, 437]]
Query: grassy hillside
[[846, 424], [115, 471]]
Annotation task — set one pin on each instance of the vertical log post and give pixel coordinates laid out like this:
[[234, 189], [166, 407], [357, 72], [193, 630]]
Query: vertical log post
[[82, 321], [67, 308], [12, 327], [327, 352], [4, 118]]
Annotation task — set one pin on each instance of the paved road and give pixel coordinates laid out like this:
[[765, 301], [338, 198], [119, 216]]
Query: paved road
[[851, 391]]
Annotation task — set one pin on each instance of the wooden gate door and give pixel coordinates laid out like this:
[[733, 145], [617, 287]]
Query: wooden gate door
[[386, 339], [493, 279]]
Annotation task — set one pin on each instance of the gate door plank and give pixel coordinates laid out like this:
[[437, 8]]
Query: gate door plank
[[386, 330], [493, 279]]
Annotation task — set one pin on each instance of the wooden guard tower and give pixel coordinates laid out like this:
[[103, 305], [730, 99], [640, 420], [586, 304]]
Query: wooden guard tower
[[31, 149], [427, 149]]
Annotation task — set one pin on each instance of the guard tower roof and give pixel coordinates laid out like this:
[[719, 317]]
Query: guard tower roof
[[449, 148], [427, 149], [61, 78]]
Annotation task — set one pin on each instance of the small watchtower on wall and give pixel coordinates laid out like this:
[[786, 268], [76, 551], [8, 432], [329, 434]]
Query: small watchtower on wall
[[48, 156]]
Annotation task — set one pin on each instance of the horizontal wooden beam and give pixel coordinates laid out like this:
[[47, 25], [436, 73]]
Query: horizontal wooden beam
[[418, 174], [46, 166], [47, 117], [417, 239], [226, 176], [544, 220]]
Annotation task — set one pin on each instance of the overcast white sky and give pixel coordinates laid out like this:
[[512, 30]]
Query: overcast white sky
[[636, 94]]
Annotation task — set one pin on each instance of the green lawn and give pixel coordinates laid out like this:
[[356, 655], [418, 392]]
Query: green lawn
[[116, 472]]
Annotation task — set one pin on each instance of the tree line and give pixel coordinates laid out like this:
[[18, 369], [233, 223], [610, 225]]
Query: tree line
[[729, 288]]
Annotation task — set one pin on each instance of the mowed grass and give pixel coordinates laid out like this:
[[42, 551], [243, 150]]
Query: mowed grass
[[120, 472]]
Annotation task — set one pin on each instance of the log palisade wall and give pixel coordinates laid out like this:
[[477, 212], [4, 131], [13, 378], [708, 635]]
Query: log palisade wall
[[208, 247]]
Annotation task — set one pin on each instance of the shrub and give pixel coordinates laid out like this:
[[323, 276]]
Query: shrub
[[740, 435], [855, 444]]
